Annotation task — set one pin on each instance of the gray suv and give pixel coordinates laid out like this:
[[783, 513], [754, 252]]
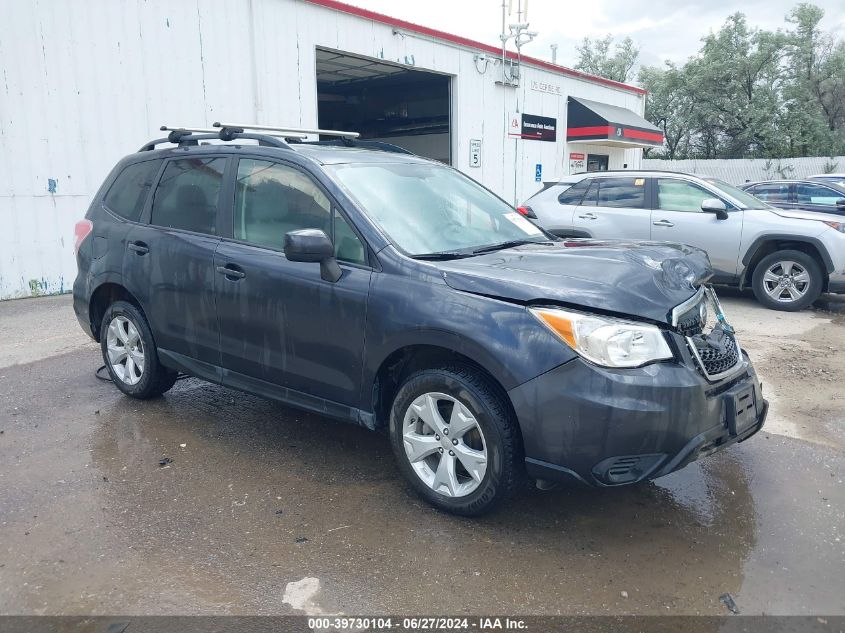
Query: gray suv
[[788, 257], [355, 280]]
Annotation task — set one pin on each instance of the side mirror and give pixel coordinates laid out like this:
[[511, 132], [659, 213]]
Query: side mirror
[[313, 245], [714, 205], [841, 203]]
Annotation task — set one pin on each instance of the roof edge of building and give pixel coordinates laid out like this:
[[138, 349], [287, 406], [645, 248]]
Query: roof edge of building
[[463, 41]]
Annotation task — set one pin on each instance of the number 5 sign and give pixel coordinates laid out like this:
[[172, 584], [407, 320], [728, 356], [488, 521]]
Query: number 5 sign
[[475, 152]]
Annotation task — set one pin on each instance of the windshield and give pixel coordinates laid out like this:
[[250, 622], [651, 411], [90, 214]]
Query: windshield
[[743, 197], [430, 209]]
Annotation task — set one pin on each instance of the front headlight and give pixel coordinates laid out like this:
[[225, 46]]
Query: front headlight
[[838, 226], [606, 341]]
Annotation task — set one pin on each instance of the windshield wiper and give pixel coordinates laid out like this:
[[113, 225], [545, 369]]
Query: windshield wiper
[[442, 256], [503, 245]]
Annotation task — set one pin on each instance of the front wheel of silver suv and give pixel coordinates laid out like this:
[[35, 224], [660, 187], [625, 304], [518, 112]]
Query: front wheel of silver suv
[[787, 280]]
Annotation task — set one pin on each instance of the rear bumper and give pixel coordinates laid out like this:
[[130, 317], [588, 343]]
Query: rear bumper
[[81, 297], [614, 427]]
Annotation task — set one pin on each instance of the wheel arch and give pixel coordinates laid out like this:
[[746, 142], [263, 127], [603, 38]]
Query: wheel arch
[[768, 244], [102, 297], [405, 360]]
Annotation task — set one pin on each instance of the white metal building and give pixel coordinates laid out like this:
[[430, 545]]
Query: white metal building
[[86, 82]]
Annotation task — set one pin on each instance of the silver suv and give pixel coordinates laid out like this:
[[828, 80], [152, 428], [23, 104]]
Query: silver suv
[[788, 257]]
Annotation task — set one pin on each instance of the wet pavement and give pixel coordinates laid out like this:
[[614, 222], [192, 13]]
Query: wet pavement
[[258, 495]]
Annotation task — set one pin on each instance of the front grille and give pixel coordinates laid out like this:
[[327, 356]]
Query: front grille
[[693, 321], [691, 326], [716, 356], [715, 351]]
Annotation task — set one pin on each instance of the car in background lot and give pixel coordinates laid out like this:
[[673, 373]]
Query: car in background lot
[[836, 179], [396, 293], [549, 193], [788, 257], [809, 195]]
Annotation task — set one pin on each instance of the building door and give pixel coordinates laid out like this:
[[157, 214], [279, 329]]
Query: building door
[[597, 162], [385, 102]]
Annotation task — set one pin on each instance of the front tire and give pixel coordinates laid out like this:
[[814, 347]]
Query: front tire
[[455, 440], [787, 280], [130, 354]]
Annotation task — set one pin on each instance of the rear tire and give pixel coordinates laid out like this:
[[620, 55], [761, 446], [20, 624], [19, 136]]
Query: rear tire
[[447, 470], [130, 355], [787, 280]]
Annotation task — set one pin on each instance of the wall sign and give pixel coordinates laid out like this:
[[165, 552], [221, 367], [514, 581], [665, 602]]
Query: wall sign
[[532, 127], [475, 152], [538, 173], [542, 86], [577, 162]]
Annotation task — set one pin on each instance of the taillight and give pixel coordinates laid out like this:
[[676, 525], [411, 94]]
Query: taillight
[[82, 230], [527, 212]]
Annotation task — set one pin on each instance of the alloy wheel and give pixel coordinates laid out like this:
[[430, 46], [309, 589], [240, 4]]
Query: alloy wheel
[[125, 350], [786, 281], [444, 444]]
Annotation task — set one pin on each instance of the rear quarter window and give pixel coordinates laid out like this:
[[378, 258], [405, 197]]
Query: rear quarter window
[[575, 193], [128, 194]]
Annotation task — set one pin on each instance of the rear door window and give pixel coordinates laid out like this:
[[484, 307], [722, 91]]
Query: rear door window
[[188, 195], [627, 193], [128, 194], [591, 197], [774, 192], [816, 194]]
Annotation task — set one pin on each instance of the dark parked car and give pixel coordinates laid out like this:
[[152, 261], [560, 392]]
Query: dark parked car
[[806, 195], [396, 293], [838, 179]]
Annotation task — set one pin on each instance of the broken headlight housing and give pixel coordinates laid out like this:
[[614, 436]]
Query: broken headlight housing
[[604, 340]]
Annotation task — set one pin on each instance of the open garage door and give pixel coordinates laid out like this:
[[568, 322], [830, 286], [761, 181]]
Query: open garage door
[[385, 102]]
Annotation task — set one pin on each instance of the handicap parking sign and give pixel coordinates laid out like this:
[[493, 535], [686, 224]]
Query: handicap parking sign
[[538, 173]]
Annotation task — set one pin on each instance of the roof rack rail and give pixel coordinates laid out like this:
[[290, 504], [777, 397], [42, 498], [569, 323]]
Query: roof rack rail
[[190, 136], [345, 142], [288, 130]]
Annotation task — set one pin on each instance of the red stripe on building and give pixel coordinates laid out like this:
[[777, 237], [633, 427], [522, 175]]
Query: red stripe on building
[[657, 137], [595, 130], [463, 41]]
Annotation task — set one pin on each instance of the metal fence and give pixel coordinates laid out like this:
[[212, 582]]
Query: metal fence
[[739, 170]]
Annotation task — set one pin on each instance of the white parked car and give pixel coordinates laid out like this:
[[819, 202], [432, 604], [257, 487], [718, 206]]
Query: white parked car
[[788, 257]]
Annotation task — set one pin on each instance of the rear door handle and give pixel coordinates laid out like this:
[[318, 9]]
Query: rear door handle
[[139, 247], [663, 223], [232, 273], [588, 216]]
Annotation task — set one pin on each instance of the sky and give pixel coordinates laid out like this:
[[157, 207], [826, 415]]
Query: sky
[[664, 29]]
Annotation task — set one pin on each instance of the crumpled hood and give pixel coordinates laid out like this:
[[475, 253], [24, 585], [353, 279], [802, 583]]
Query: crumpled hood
[[639, 279]]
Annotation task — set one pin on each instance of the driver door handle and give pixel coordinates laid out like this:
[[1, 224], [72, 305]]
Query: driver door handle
[[589, 216], [231, 272], [663, 223]]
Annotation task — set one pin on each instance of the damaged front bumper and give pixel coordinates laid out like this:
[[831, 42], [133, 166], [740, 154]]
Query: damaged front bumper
[[611, 427]]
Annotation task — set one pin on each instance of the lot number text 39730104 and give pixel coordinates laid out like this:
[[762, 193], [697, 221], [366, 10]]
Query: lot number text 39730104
[[416, 623]]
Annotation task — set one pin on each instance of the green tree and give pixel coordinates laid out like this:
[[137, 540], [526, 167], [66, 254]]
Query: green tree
[[670, 106], [595, 57], [814, 91], [748, 92], [735, 82]]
